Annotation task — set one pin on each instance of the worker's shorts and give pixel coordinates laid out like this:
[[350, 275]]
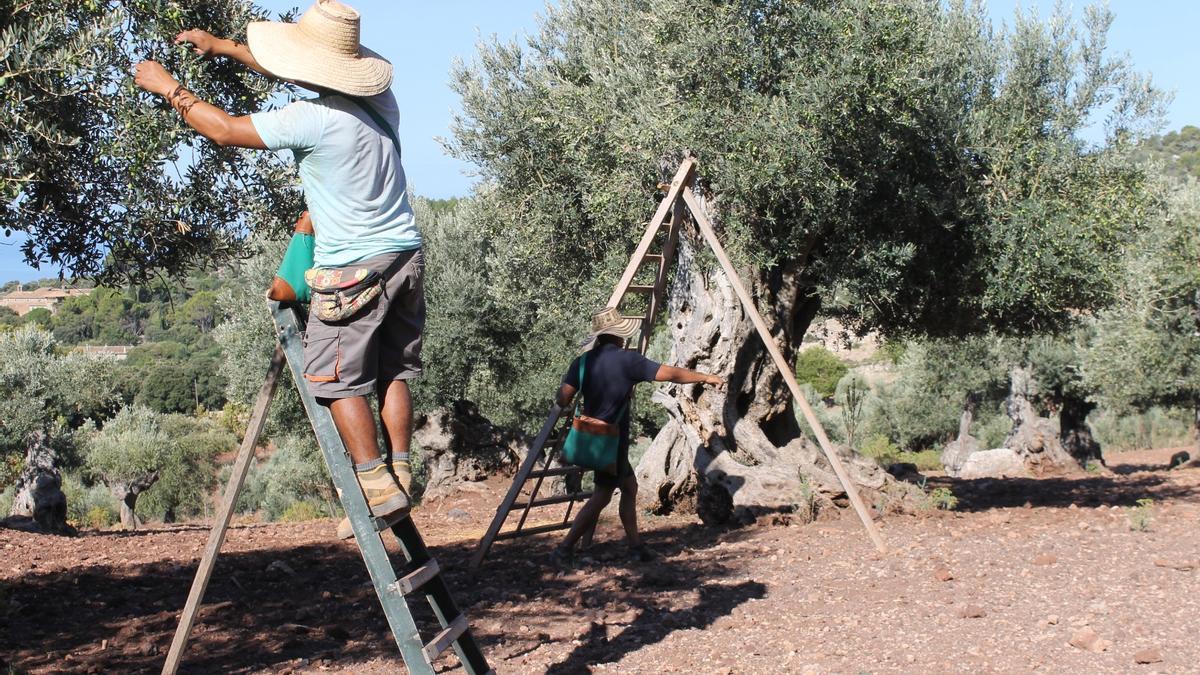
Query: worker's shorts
[[379, 344]]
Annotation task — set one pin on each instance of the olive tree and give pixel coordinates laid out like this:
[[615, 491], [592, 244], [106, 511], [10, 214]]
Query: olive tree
[[128, 455], [901, 166], [1145, 350], [104, 182]]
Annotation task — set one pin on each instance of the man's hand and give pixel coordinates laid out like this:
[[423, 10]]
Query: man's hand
[[203, 42], [151, 76], [715, 381]]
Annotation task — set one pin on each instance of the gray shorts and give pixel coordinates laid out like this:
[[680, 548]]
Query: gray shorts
[[380, 344]]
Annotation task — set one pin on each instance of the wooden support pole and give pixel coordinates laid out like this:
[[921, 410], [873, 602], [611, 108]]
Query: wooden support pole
[[784, 368], [258, 419]]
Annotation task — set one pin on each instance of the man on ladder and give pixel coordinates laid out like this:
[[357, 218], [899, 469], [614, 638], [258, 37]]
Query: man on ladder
[[367, 242], [609, 373]]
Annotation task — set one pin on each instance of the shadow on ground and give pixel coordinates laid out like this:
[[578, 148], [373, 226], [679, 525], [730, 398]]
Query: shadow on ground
[[1124, 487], [323, 608]]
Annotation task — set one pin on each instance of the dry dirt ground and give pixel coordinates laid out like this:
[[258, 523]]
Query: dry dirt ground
[[1004, 584]]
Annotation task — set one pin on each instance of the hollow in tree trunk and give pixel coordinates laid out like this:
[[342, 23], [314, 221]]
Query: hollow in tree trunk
[[734, 454], [1075, 432]]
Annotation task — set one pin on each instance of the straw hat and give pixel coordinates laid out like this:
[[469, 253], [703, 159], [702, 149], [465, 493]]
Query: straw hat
[[322, 50], [609, 321]]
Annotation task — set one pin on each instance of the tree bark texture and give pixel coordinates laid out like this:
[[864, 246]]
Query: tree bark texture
[[40, 501], [460, 446], [127, 493], [1033, 438], [954, 456], [731, 455]]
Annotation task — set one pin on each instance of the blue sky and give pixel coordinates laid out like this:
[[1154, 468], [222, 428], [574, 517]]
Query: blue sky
[[422, 39]]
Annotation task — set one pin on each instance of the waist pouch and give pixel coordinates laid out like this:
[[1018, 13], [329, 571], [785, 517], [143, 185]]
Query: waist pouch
[[591, 442], [340, 293]]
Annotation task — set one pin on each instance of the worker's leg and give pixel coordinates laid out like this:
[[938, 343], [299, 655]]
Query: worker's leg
[[587, 517], [356, 424], [343, 364], [628, 510], [400, 359], [395, 413]]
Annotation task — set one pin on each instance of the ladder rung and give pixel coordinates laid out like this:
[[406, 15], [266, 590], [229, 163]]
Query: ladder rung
[[561, 499], [556, 471], [640, 289], [417, 578], [540, 529], [446, 638], [383, 524], [652, 256]]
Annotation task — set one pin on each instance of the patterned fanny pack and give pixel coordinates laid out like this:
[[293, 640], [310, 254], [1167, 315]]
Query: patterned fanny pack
[[339, 293]]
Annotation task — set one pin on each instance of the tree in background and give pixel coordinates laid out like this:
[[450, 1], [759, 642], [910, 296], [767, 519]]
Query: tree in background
[[44, 391], [822, 369], [105, 185], [899, 166], [128, 455], [1146, 348], [188, 471]]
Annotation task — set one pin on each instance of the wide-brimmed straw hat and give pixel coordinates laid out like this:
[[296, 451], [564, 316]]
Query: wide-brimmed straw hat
[[609, 321], [322, 49]]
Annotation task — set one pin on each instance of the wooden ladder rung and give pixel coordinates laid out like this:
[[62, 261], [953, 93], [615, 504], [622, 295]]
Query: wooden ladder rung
[[555, 471], [540, 529], [417, 578], [446, 638], [561, 499], [384, 524], [640, 289]]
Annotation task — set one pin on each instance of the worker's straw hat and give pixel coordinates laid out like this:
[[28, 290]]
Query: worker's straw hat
[[609, 321], [322, 49]]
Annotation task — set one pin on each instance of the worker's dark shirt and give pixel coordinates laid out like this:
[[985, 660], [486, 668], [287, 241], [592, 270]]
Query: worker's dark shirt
[[609, 375]]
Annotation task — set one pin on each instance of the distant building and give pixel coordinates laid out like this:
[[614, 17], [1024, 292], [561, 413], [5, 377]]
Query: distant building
[[24, 302], [119, 352]]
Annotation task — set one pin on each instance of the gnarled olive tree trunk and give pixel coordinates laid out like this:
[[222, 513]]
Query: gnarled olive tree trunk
[[737, 453], [39, 494], [128, 492]]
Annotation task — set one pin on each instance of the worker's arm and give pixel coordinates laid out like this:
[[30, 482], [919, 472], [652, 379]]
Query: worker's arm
[[210, 121], [207, 45], [685, 376], [565, 393]]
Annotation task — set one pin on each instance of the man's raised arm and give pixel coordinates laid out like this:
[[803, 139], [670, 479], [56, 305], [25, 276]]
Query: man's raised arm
[[207, 45], [213, 123]]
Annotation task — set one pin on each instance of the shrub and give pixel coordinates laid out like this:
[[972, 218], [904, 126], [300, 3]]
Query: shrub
[[294, 473], [1142, 515], [941, 498], [6, 500], [992, 429], [89, 505], [883, 451], [301, 511], [820, 368], [1155, 428]]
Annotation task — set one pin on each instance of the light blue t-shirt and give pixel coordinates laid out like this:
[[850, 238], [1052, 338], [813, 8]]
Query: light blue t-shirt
[[351, 172]]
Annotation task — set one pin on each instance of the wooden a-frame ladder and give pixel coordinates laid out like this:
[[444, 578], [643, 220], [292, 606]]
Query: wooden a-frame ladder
[[419, 575], [640, 295]]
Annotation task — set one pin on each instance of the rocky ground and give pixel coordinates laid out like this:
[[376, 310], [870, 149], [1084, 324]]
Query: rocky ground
[[1053, 575]]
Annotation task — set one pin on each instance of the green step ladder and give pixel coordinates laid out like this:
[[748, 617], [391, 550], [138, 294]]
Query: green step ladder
[[421, 576]]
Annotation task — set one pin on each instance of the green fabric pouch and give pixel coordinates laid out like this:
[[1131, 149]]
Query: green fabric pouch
[[289, 284], [296, 261], [592, 443]]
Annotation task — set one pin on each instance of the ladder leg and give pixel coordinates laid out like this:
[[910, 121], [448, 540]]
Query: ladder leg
[[370, 543], [514, 490], [217, 537], [440, 600]]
